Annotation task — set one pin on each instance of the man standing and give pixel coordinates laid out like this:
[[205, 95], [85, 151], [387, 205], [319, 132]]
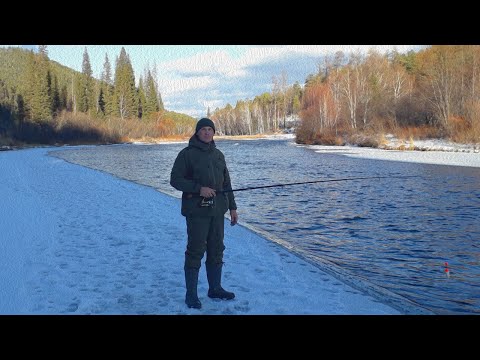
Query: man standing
[[201, 173]]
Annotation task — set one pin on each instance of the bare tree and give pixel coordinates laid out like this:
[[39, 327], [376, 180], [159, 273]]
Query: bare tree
[[283, 92], [350, 93]]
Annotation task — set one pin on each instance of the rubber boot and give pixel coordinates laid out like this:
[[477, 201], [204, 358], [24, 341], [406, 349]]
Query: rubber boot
[[191, 282], [215, 291]]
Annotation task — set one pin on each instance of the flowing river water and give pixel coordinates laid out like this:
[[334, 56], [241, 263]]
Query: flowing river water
[[393, 233]]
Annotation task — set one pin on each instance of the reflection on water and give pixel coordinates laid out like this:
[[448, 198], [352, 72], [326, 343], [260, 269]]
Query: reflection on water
[[394, 233]]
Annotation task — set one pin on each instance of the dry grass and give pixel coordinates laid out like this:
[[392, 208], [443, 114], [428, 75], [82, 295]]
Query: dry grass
[[462, 131], [366, 140], [69, 128], [117, 130], [418, 132]]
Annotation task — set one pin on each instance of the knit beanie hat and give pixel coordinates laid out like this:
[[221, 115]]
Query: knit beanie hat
[[204, 122]]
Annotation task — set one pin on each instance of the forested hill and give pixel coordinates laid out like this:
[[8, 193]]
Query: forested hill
[[14, 65], [42, 101]]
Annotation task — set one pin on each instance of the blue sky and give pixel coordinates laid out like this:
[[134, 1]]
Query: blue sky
[[192, 78]]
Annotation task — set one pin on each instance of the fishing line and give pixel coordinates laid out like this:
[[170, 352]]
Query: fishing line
[[317, 181]]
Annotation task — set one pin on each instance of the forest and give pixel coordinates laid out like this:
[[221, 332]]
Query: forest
[[358, 99], [353, 98], [43, 102]]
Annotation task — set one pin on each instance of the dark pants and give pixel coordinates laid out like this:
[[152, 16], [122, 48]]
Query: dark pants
[[205, 233]]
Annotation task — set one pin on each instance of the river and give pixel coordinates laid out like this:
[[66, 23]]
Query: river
[[395, 233]]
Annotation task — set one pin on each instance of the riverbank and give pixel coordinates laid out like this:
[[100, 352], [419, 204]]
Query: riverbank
[[81, 241], [428, 152], [390, 142]]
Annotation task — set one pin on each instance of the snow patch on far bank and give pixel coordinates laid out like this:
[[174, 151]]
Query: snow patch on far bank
[[393, 143], [280, 136]]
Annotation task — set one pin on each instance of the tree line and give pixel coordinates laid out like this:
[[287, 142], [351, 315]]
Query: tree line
[[43, 101], [355, 98], [434, 92]]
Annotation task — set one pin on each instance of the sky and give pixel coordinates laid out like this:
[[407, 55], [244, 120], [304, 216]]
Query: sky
[[78, 241], [193, 78]]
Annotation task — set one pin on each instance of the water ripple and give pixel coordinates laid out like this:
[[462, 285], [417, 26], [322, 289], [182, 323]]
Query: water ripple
[[393, 233]]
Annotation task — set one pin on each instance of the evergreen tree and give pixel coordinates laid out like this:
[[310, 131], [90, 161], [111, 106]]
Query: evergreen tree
[[79, 91], [152, 103], [56, 103], [107, 87], [5, 110], [86, 95], [101, 102], [43, 87], [49, 84], [141, 100], [20, 108], [125, 102], [37, 99], [63, 98], [159, 96]]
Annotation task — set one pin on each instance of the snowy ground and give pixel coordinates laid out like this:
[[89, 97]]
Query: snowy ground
[[439, 157], [78, 241], [432, 151]]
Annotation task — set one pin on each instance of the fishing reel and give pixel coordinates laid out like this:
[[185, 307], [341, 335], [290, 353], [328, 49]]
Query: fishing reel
[[206, 202]]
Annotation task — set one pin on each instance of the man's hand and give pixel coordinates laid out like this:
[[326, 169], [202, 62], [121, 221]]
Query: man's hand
[[233, 217], [207, 192]]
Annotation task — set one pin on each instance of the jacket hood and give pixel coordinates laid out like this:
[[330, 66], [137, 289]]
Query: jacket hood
[[195, 142]]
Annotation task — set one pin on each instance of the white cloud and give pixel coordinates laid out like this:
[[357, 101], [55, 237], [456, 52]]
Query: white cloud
[[176, 86], [212, 104], [214, 76], [217, 63], [262, 54], [210, 69]]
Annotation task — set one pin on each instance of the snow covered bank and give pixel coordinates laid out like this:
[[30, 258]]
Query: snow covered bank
[[470, 159], [79, 241]]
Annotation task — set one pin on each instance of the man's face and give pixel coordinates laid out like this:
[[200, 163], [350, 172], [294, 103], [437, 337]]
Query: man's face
[[205, 134]]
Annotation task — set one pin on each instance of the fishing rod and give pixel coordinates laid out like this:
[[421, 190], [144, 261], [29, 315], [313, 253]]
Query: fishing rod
[[317, 181]]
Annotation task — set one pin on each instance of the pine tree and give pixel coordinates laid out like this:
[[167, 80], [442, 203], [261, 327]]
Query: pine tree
[[37, 97], [6, 119], [72, 100], [160, 102], [152, 104], [125, 97], [49, 84], [159, 96], [107, 87], [63, 98], [56, 103], [101, 102], [141, 100], [86, 100]]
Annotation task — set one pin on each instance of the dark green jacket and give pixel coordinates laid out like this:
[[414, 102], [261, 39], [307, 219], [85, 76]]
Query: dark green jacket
[[197, 165]]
